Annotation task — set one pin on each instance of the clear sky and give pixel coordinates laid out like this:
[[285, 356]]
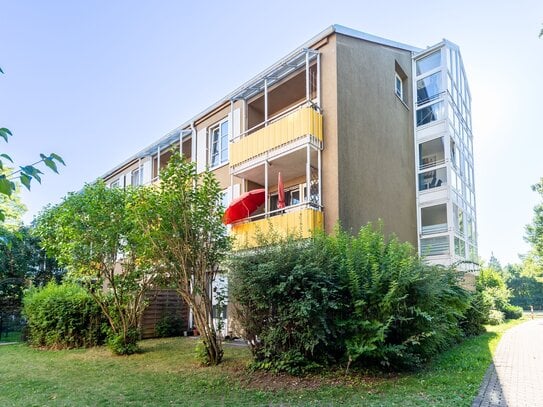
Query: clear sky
[[96, 81]]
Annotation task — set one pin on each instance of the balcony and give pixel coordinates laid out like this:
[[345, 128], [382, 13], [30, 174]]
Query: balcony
[[301, 220], [304, 122]]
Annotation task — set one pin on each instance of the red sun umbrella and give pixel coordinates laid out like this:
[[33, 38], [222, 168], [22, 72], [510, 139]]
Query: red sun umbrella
[[244, 205], [280, 192]]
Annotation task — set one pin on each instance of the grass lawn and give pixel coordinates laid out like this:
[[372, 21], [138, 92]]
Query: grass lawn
[[166, 374]]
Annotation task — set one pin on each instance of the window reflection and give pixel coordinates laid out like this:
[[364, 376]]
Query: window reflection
[[430, 113], [428, 88], [429, 62]]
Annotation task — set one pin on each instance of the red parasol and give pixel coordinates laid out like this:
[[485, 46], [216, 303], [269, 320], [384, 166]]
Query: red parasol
[[280, 192], [244, 205]]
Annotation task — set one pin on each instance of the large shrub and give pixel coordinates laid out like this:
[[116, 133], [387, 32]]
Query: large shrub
[[361, 300], [287, 297], [62, 316]]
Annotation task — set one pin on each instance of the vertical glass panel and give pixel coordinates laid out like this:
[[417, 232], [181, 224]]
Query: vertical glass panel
[[430, 113], [431, 153], [433, 179], [428, 88], [434, 219], [459, 247], [429, 62], [458, 217]]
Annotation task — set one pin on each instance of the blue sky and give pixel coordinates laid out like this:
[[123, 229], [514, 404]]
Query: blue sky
[[96, 81]]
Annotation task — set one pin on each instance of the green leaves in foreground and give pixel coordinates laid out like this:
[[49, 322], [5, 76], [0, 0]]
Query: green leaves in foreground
[[5, 133]]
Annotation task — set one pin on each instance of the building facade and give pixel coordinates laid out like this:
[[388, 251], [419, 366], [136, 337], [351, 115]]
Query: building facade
[[360, 128]]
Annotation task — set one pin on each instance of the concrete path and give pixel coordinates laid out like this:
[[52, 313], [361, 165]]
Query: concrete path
[[515, 378]]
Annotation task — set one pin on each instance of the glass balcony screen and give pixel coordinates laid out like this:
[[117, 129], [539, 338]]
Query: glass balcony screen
[[429, 88], [431, 153], [433, 179], [430, 113], [434, 219], [434, 246], [429, 62]]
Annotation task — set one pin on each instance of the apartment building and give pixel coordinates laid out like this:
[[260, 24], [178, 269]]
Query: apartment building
[[360, 128]]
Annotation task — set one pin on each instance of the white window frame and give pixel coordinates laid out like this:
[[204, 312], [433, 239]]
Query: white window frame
[[221, 147], [115, 184], [135, 173], [399, 92]]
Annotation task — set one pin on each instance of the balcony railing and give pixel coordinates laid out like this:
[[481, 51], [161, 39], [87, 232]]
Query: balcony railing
[[299, 123], [300, 220]]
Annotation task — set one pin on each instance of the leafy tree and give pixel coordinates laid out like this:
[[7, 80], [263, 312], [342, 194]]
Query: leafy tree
[[93, 234], [526, 283], [534, 231], [25, 173], [182, 220], [23, 262]]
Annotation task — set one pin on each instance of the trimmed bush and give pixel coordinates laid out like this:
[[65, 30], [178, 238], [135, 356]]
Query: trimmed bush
[[364, 301], [512, 312], [62, 316]]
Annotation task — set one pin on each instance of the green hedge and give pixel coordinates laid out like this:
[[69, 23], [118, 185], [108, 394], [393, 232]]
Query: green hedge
[[62, 316], [358, 300]]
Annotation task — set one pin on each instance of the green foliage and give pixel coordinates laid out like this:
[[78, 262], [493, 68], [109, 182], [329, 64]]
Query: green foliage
[[512, 312], [495, 317], [169, 325], [124, 343], [22, 263], [472, 323], [364, 300], [25, 173], [181, 219], [62, 316], [93, 233], [201, 354], [287, 297], [495, 294]]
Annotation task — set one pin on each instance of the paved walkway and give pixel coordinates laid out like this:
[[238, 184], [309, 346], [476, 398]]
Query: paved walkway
[[515, 378]]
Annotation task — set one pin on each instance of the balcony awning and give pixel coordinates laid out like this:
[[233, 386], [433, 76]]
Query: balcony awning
[[243, 206]]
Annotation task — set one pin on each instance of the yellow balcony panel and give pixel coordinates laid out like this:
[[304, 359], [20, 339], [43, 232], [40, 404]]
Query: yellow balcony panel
[[301, 222], [300, 123]]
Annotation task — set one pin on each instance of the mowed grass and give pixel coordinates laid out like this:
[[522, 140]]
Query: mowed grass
[[166, 374]]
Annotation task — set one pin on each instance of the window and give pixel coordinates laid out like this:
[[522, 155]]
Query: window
[[434, 246], [431, 153], [433, 219], [433, 179], [429, 62], [400, 81], [292, 197], [219, 144], [428, 88], [430, 113], [399, 87], [114, 184], [136, 178]]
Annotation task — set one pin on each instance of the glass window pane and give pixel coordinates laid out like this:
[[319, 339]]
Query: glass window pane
[[431, 153], [430, 113], [428, 88], [434, 219], [429, 62], [433, 179], [224, 129], [434, 246]]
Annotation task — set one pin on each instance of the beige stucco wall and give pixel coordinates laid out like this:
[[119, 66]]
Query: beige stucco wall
[[375, 143], [330, 175]]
